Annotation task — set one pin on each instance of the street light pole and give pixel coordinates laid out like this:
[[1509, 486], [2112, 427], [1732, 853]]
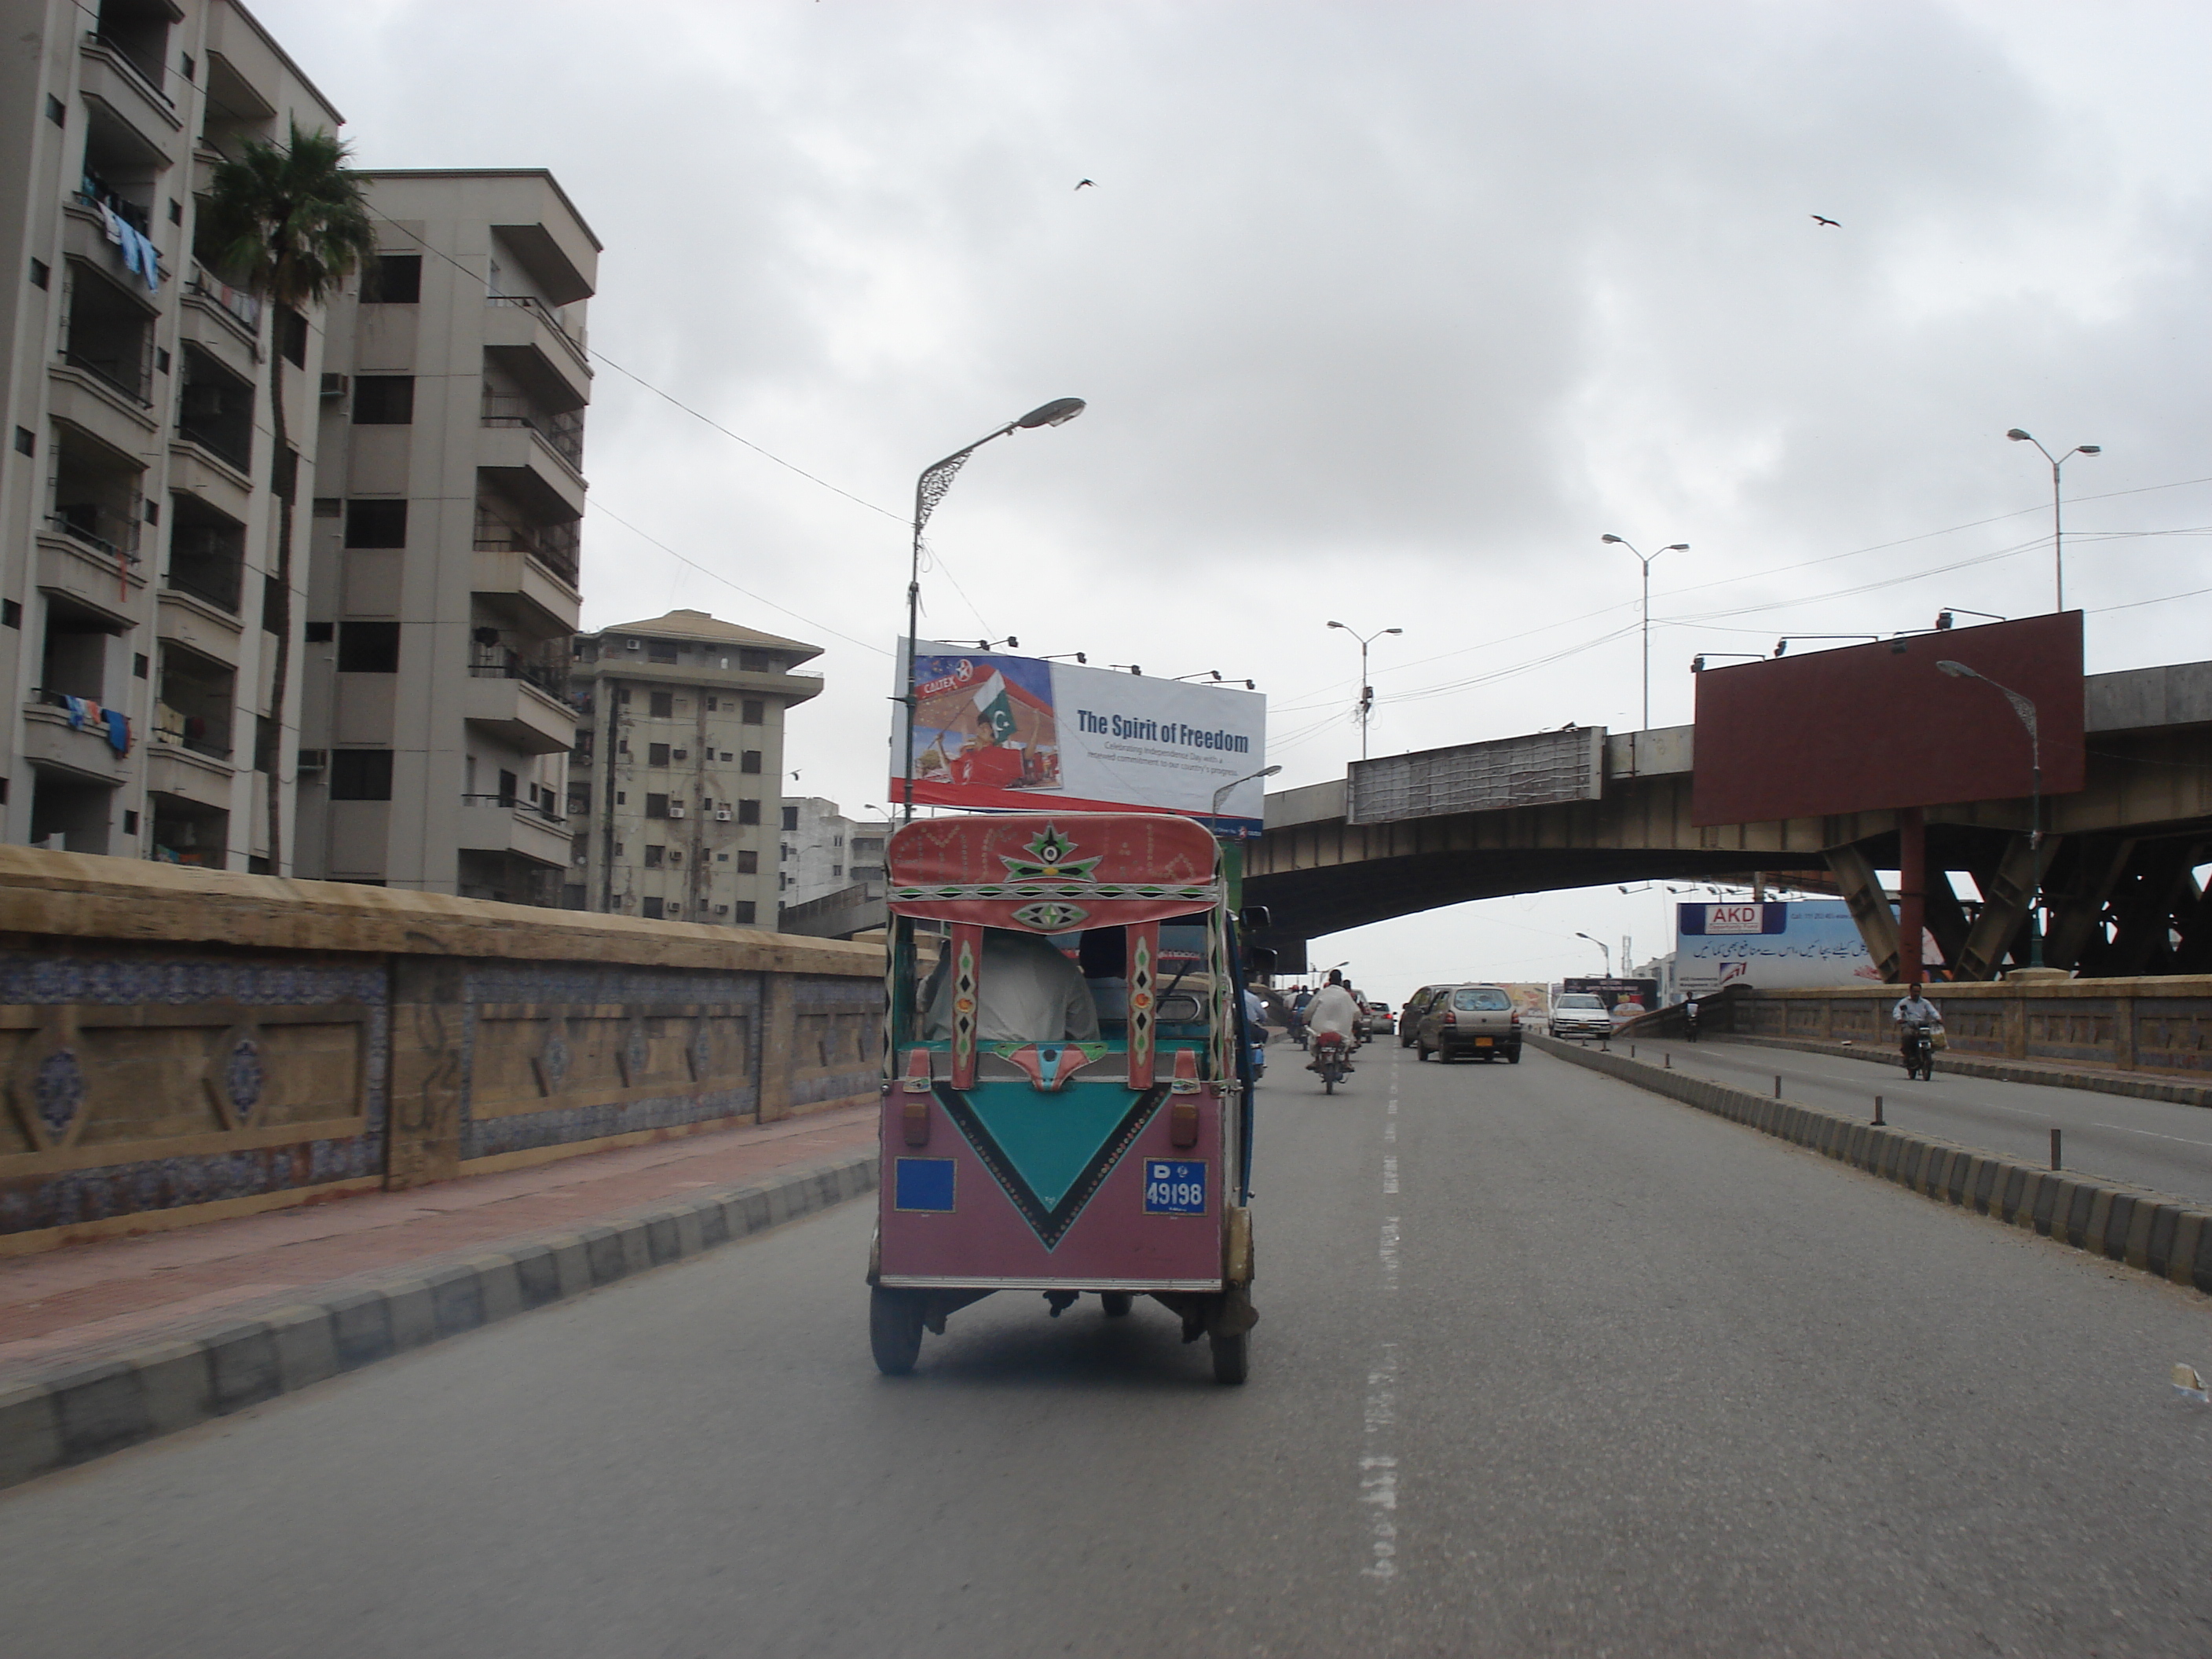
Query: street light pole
[[2024, 708], [2057, 524], [1264, 772], [1366, 691], [1645, 560], [1603, 946], [928, 490]]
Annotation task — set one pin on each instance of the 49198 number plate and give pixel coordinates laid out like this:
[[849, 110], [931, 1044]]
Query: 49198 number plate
[[1173, 1188]]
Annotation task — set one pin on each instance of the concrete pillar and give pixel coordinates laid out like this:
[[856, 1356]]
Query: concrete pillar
[[428, 1084], [778, 1031], [1911, 890]]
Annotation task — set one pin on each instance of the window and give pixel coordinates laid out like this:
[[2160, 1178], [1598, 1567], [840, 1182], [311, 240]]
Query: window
[[1481, 998], [376, 524], [215, 408], [384, 400], [321, 633], [27, 441], [41, 273], [748, 811], [836, 872], [656, 806], [361, 774], [663, 706], [714, 705], [745, 911], [659, 651], [758, 662], [653, 856], [368, 648], [748, 863], [750, 760], [292, 335], [650, 907], [506, 785], [790, 819], [754, 712], [392, 279], [727, 756], [656, 754]]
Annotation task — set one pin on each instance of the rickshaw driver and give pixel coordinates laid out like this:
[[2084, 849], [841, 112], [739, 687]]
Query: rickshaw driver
[[1029, 993]]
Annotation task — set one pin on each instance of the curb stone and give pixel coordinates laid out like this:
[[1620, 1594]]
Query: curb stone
[[2146, 1231], [77, 1411]]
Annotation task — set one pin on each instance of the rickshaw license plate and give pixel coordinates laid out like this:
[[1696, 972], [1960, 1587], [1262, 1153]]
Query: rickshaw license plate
[[1483, 1043], [1173, 1188]]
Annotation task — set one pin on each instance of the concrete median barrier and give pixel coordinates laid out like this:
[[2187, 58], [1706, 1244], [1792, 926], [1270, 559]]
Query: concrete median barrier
[[78, 1410], [2147, 1231]]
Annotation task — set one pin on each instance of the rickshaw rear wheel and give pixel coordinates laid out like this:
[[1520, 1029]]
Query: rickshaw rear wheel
[[1231, 1356], [1117, 1303], [894, 1329]]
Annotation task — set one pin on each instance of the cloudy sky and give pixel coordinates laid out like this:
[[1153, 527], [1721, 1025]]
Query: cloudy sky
[[1385, 313]]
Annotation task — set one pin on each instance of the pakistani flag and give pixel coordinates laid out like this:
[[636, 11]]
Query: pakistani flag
[[994, 709]]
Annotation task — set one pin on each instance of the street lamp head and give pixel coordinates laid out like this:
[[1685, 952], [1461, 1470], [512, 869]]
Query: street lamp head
[[2019, 437], [1615, 539], [1336, 624], [1268, 772], [1394, 631], [1058, 412], [1957, 671], [2089, 449], [1675, 547]]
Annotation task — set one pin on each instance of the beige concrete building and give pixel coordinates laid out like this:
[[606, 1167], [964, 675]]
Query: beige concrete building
[[443, 598], [676, 770], [136, 517]]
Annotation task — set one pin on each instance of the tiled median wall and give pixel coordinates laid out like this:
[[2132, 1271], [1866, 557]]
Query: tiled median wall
[[2160, 1027], [179, 1044]]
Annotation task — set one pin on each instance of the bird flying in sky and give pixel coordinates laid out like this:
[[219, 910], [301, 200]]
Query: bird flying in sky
[[1080, 183], [1818, 219]]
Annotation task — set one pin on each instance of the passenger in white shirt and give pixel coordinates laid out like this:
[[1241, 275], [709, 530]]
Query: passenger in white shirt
[[1029, 993], [1333, 1009]]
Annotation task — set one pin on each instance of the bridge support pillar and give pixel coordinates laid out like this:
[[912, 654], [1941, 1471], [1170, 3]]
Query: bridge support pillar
[[1869, 906], [1911, 890]]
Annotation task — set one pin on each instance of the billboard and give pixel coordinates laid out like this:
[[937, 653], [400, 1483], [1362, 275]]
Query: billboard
[[1614, 991], [1873, 727], [993, 731], [1773, 946], [1478, 777]]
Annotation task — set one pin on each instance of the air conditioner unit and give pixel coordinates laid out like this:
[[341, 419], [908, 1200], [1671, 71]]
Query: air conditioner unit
[[336, 385], [721, 910], [314, 760], [674, 810], [723, 815], [679, 754], [633, 644]]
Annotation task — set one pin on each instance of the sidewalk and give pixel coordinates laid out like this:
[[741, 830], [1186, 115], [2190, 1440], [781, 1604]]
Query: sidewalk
[[2058, 1073], [89, 1301]]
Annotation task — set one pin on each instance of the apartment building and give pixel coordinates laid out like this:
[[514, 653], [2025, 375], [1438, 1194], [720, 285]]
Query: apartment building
[[443, 598], [820, 851], [678, 760], [137, 488]]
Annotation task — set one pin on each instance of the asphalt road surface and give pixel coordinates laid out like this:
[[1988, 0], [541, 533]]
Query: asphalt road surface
[[1546, 1365], [2149, 1142]]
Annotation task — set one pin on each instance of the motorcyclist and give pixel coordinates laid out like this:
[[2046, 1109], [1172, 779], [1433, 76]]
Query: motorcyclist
[[1333, 1009], [1912, 1009]]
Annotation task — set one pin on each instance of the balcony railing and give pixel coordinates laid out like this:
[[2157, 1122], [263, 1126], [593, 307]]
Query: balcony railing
[[85, 524], [556, 553], [227, 441], [243, 307], [147, 69], [179, 730], [216, 577], [563, 433], [553, 681], [544, 311], [529, 809]]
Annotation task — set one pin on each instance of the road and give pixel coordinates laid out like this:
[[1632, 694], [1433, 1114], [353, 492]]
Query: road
[[1547, 1365], [2149, 1142]]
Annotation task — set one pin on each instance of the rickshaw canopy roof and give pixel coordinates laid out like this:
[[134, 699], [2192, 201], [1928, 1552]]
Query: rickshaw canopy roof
[[1052, 872]]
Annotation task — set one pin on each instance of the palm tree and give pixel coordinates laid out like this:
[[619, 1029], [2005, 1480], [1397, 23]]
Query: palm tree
[[290, 222]]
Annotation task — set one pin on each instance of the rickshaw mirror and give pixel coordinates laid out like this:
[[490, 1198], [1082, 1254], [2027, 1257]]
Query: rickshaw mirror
[[1253, 917]]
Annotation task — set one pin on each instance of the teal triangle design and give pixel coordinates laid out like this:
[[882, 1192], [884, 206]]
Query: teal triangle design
[[1050, 1151]]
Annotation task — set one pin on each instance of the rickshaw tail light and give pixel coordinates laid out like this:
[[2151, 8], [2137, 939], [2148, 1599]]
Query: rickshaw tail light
[[1183, 1115], [913, 1116]]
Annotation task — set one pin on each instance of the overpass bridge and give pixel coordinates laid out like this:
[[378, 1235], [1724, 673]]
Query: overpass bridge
[[2116, 860]]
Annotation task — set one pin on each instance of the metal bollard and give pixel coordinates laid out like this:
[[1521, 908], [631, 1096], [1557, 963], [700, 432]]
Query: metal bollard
[[1668, 1056], [2054, 1149], [1777, 1085], [1877, 1112], [1631, 1051]]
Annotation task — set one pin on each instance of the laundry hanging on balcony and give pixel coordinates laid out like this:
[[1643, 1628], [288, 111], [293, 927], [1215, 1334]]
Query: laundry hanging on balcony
[[139, 256]]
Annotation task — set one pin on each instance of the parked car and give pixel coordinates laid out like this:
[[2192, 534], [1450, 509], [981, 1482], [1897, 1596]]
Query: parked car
[[1580, 1014], [1470, 1019], [1375, 1020], [1409, 1017]]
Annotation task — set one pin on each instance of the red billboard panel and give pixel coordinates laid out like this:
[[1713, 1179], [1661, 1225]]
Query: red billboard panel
[[1881, 725]]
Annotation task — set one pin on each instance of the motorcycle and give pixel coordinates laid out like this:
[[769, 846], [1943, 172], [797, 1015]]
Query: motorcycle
[[1919, 1051], [1332, 1055]]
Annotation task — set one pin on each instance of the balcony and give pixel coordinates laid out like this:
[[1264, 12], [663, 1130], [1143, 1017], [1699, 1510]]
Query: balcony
[[186, 775], [507, 823], [563, 432], [234, 306], [523, 465], [125, 75], [512, 706], [520, 567], [70, 735], [524, 336]]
